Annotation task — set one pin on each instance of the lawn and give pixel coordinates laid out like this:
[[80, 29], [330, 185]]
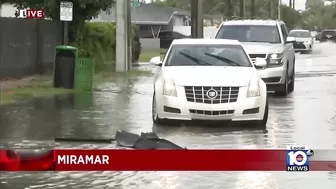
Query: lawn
[[147, 54], [36, 86]]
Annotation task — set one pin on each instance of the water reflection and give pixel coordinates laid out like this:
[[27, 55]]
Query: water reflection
[[212, 137]]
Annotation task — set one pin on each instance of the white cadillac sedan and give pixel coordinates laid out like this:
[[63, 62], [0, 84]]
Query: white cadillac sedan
[[208, 79]]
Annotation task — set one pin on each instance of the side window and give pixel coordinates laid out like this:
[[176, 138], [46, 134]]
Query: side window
[[284, 31]]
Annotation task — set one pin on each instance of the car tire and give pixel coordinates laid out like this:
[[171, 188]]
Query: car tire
[[155, 116], [291, 85], [262, 123], [283, 89]]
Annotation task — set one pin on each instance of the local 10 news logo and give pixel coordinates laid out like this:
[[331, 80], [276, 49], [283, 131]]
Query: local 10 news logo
[[298, 158]]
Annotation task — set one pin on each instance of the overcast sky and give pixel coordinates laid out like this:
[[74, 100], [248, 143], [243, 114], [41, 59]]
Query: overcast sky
[[299, 4]]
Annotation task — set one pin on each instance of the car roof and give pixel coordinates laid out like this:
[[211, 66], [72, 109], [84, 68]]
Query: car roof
[[252, 22], [189, 41], [300, 30], [329, 30]]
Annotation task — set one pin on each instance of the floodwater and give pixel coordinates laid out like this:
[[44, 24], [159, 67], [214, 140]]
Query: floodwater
[[307, 117]]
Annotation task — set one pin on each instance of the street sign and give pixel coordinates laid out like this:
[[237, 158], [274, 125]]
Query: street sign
[[135, 3], [66, 11]]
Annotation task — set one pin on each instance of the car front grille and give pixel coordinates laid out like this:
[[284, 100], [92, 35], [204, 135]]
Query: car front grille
[[254, 56], [299, 45], [211, 95], [212, 113]]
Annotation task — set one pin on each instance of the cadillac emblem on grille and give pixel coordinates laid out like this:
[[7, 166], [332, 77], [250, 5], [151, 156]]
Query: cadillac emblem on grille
[[212, 93]]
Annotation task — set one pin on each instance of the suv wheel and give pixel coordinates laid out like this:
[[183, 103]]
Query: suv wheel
[[292, 83], [283, 89]]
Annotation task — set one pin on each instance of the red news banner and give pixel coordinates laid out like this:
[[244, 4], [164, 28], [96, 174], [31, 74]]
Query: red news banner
[[150, 160]]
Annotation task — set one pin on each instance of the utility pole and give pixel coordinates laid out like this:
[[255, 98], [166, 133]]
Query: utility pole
[[270, 8], [279, 9], [293, 4], [290, 3], [197, 18], [252, 8], [242, 8], [123, 59]]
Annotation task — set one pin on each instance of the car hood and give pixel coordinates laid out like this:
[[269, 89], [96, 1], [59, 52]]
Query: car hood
[[209, 75], [262, 48], [301, 39]]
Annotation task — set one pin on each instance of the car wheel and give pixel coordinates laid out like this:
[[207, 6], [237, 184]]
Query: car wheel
[[283, 89], [155, 116], [292, 83], [262, 123]]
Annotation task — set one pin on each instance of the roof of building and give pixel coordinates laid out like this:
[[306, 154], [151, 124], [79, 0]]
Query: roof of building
[[147, 14], [189, 41]]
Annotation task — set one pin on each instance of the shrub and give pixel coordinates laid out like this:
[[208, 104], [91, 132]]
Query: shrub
[[98, 40]]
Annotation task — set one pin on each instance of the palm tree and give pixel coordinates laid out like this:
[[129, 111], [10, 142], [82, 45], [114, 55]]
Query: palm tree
[[227, 8]]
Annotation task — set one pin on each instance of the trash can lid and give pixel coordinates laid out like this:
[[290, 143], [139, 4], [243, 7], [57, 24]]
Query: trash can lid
[[66, 47]]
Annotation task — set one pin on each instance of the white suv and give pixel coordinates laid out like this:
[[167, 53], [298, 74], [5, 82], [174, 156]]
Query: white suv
[[265, 39]]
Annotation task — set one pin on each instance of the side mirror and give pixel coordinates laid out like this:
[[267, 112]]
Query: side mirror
[[290, 40], [260, 62], [156, 61]]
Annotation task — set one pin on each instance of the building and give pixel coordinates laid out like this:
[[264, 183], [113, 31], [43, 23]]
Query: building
[[152, 19]]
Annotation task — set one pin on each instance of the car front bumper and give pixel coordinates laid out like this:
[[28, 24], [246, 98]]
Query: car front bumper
[[178, 108], [302, 46], [273, 75]]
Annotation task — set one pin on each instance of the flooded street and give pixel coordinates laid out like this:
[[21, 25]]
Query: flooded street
[[307, 117]]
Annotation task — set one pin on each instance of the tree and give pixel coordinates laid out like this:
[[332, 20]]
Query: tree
[[82, 10]]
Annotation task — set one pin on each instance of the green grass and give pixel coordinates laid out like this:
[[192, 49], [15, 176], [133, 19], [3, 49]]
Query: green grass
[[34, 88], [147, 54], [43, 86]]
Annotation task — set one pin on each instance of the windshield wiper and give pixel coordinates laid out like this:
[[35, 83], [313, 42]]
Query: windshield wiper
[[231, 62], [198, 61]]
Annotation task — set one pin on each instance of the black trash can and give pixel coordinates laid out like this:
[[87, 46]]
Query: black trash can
[[64, 67]]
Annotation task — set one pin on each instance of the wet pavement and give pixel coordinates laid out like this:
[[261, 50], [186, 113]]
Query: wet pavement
[[307, 116]]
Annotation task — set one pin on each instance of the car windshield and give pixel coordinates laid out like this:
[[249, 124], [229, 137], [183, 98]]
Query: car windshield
[[207, 55], [304, 34], [250, 33]]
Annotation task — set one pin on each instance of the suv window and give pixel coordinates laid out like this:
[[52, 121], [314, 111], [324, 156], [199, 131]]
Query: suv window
[[284, 32], [208, 55], [250, 33]]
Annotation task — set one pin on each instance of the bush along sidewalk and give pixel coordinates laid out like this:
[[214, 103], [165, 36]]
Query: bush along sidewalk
[[98, 40]]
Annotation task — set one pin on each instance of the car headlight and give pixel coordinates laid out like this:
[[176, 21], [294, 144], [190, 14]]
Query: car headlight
[[276, 59], [169, 88], [253, 89]]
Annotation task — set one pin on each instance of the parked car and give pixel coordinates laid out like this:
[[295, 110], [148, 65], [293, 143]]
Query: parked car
[[208, 79], [328, 35], [304, 41], [267, 39]]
